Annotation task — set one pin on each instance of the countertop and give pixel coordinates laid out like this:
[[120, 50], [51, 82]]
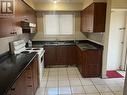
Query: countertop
[[83, 44], [11, 67], [86, 46]]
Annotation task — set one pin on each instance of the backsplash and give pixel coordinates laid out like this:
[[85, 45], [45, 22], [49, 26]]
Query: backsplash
[[4, 42], [96, 37]]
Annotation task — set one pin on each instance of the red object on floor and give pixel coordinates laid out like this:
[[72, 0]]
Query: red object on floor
[[113, 74]]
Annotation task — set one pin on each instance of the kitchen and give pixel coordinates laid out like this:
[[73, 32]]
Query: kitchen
[[64, 53]]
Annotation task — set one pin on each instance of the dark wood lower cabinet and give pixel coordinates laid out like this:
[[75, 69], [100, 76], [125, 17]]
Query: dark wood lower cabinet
[[28, 82], [50, 55], [60, 55], [89, 62]]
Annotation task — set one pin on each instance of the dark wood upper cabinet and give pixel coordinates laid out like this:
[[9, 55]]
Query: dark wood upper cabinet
[[93, 18], [10, 25]]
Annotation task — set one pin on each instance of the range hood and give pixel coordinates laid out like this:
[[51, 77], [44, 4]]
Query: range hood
[[28, 27]]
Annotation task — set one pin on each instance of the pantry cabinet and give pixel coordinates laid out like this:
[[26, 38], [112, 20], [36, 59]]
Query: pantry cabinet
[[93, 18]]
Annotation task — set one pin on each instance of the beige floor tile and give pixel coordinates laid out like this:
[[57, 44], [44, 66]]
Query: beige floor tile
[[115, 87], [86, 81], [75, 82], [118, 93], [77, 89], [73, 76], [43, 83], [62, 73], [70, 80], [52, 84], [107, 93], [64, 77], [103, 88], [98, 81], [51, 91], [64, 90], [40, 91], [79, 94], [90, 89], [93, 94], [64, 83]]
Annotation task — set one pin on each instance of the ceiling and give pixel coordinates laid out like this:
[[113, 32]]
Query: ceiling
[[60, 1]]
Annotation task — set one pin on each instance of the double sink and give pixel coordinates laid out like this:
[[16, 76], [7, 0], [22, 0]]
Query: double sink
[[58, 43], [82, 46], [86, 46]]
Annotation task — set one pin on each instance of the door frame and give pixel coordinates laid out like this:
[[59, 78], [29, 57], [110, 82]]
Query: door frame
[[124, 53]]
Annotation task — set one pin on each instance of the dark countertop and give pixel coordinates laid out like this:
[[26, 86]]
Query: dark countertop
[[82, 44], [86, 46], [11, 67]]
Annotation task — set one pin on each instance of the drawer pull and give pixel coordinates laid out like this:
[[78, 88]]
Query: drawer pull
[[29, 85], [12, 89], [29, 77]]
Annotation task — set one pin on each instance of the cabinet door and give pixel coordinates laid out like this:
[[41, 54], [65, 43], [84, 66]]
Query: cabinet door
[[62, 55], [93, 63], [35, 74], [93, 18], [99, 17], [83, 21], [29, 85], [18, 87], [50, 55], [6, 27], [71, 55], [80, 60], [90, 18]]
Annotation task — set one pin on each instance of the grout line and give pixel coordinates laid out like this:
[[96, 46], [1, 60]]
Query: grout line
[[103, 92], [69, 80]]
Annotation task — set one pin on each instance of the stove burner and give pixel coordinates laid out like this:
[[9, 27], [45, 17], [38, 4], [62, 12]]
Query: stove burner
[[36, 49]]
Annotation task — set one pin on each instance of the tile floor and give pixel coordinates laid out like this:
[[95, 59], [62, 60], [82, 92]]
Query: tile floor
[[68, 81]]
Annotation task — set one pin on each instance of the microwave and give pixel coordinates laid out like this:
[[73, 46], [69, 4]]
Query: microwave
[[28, 27]]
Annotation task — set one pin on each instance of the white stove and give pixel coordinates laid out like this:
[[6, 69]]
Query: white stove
[[18, 47], [40, 52]]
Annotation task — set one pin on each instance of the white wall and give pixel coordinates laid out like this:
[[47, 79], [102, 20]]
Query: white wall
[[115, 39], [4, 42]]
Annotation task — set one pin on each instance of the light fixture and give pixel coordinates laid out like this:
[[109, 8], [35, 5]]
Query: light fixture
[[54, 1]]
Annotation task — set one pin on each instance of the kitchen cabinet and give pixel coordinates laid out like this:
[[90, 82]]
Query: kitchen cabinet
[[71, 55], [10, 25], [89, 62], [50, 55], [79, 60], [93, 18], [59, 55], [28, 82]]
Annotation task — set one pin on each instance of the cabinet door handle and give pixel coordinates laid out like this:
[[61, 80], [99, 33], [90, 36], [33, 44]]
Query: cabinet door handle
[[29, 85], [29, 77], [12, 89]]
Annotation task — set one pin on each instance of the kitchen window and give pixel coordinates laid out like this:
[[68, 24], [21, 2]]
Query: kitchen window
[[59, 25]]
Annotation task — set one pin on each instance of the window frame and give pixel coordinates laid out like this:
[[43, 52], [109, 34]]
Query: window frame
[[59, 35]]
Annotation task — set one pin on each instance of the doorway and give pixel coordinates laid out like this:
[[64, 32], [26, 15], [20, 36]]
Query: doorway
[[117, 41]]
